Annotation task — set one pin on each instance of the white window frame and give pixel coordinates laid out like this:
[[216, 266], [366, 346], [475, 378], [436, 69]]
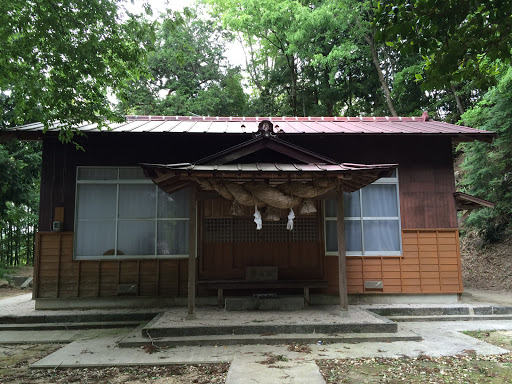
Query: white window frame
[[156, 219], [384, 180]]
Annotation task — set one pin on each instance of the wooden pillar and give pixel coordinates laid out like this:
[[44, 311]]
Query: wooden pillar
[[342, 257], [192, 247]]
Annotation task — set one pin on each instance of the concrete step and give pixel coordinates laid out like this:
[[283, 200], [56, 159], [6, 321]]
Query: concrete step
[[77, 317], [448, 318], [134, 339], [433, 310], [310, 320], [241, 329], [68, 326]]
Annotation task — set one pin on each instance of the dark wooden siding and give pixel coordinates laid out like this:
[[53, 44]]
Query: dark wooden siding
[[57, 275], [425, 167]]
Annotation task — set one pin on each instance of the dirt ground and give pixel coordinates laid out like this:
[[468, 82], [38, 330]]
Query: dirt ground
[[468, 368], [13, 291], [486, 266], [15, 368]]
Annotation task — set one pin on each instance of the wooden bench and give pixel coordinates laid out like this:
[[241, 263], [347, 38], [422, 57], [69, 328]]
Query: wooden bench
[[221, 285]]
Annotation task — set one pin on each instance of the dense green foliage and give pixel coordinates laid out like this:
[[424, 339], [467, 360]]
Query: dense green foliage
[[60, 59], [488, 167], [189, 74], [458, 39], [19, 200]]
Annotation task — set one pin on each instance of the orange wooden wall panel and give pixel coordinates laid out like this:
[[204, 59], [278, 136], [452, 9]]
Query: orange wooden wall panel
[[430, 264]]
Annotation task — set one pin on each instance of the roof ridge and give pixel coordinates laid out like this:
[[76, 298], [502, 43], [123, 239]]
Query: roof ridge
[[422, 118]]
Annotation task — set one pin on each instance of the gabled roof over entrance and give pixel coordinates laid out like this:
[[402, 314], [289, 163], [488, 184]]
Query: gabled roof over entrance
[[261, 142], [213, 172], [172, 177]]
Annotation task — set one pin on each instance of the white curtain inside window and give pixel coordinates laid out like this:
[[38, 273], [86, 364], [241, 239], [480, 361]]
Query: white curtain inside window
[[137, 201], [353, 240], [149, 221], [96, 201], [172, 237], [97, 173], [381, 235], [175, 205], [136, 237], [379, 200], [96, 211], [95, 238]]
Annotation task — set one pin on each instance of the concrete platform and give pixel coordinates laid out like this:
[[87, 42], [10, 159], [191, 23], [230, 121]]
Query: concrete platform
[[311, 320], [449, 318], [397, 310], [438, 339], [68, 326], [135, 339]]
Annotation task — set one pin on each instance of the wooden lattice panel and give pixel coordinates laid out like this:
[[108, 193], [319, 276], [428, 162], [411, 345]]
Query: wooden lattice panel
[[243, 230]]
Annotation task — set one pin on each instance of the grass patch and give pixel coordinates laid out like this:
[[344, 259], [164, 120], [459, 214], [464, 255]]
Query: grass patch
[[501, 339]]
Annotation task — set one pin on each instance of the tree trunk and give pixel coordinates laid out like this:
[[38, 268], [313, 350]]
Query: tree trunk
[[293, 90], [17, 246], [460, 107], [375, 58], [34, 245], [9, 253], [2, 246]]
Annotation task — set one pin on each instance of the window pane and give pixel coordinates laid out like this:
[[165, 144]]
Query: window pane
[[380, 200], [96, 201], [330, 208], [173, 205], [135, 173], [381, 235], [351, 205], [353, 242], [95, 238], [137, 201], [173, 237], [136, 237], [352, 236], [331, 236], [97, 173]]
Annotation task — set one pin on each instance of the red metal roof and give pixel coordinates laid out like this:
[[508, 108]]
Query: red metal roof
[[287, 125]]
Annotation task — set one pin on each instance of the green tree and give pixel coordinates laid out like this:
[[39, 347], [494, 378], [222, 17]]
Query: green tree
[[488, 167], [461, 41], [314, 57], [189, 73], [61, 59]]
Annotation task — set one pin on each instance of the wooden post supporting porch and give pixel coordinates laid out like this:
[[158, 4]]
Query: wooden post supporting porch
[[342, 257], [192, 249]]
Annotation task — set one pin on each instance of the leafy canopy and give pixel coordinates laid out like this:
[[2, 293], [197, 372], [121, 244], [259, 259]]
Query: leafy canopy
[[188, 73], [61, 59], [488, 168], [458, 39]]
